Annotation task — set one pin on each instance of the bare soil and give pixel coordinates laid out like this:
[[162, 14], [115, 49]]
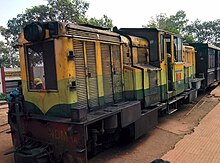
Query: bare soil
[[170, 129], [5, 139]]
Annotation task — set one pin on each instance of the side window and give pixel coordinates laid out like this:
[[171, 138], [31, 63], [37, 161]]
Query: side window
[[41, 66], [168, 44], [178, 49], [175, 49], [211, 58], [162, 47], [218, 59]]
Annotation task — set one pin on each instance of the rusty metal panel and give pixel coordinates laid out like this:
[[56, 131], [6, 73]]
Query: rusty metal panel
[[63, 137], [93, 35], [107, 73], [109, 38], [130, 113], [142, 55], [81, 33], [92, 74], [80, 73], [154, 90], [117, 73], [126, 55], [152, 78], [186, 75]]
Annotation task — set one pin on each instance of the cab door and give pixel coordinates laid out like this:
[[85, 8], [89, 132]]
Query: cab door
[[86, 74], [169, 63], [112, 73]]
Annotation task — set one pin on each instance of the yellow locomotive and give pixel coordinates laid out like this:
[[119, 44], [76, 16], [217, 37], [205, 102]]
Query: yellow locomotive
[[86, 87]]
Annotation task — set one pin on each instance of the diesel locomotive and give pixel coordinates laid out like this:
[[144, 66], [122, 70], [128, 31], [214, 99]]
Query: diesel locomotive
[[85, 87]]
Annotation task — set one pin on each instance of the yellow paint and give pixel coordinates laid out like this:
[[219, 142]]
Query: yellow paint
[[65, 74], [135, 56], [162, 75], [133, 78], [122, 61], [99, 69], [139, 42], [45, 100], [65, 68], [98, 58], [146, 79], [189, 59]]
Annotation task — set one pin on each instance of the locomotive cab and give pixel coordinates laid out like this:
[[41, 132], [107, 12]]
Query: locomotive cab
[[167, 75]]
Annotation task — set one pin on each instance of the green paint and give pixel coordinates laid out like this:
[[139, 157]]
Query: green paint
[[180, 87], [164, 95], [60, 110]]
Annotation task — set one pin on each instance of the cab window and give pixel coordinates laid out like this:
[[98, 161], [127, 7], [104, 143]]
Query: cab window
[[178, 49], [41, 66], [162, 47]]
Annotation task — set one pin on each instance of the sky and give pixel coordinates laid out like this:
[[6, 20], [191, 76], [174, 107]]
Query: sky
[[125, 13]]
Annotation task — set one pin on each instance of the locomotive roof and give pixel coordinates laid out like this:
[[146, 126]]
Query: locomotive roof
[[206, 45], [90, 28], [72, 30], [150, 29]]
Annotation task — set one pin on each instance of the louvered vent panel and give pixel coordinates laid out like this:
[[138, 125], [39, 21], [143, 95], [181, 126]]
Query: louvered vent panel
[[117, 73], [106, 72], [92, 74], [80, 73]]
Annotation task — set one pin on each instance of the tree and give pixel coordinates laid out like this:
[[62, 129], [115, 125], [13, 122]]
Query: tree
[[205, 32], [158, 22], [105, 21], [8, 54], [173, 23], [208, 31], [67, 10], [56, 10]]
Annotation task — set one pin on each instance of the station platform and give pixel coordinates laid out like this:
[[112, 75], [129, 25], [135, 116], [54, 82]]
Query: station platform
[[203, 145]]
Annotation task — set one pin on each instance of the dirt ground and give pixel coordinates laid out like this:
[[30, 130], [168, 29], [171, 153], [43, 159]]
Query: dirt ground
[[170, 130], [155, 144], [5, 139]]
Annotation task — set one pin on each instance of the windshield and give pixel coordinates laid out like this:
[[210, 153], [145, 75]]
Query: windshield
[[41, 66]]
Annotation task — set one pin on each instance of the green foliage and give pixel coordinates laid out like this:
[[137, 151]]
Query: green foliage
[[67, 10], [174, 23], [105, 21], [8, 54], [3, 96], [208, 31], [189, 38], [56, 10]]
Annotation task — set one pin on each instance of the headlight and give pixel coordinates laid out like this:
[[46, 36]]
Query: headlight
[[34, 32]]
